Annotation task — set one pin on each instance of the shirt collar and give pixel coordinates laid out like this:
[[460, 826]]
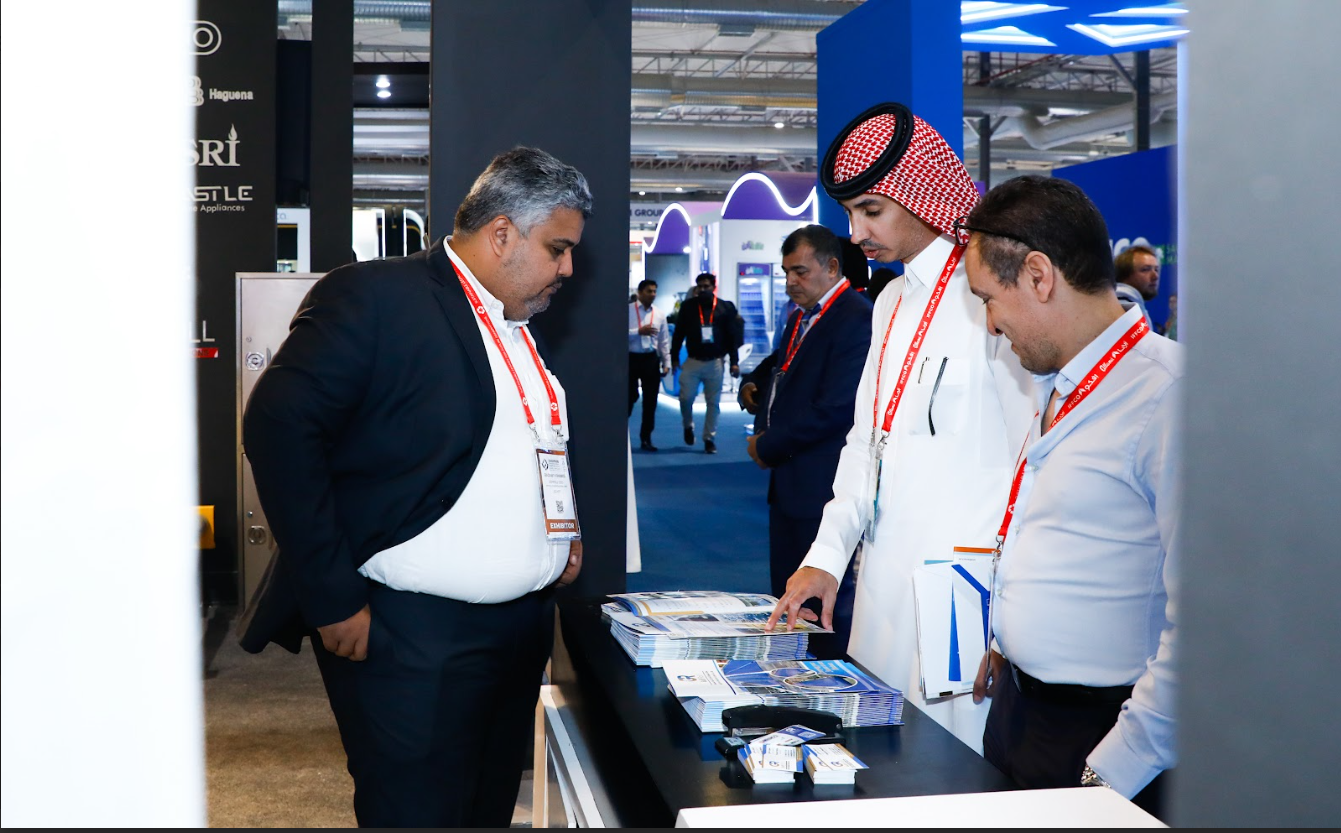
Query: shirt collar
[[925, 269], [491, 304], [1071, 374]]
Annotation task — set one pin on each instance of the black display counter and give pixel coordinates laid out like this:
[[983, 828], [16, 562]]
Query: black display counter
[[653, 762]]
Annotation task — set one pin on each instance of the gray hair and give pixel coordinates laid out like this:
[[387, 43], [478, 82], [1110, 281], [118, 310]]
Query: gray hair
[[525, 185]]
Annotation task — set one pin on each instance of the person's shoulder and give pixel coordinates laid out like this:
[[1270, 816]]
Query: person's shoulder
[[1164, 354]]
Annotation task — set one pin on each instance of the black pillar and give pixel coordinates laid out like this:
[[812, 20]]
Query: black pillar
[[554, 75], [1143, 100], [985, 125], [332, 154], [234, 201]]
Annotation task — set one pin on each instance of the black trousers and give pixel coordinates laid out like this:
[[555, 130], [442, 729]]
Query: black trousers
[[1042, 744], [789, 539], [645, 369], [437, 721]]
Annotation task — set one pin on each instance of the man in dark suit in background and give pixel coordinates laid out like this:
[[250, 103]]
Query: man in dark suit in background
[[397, 442], [802, 397]]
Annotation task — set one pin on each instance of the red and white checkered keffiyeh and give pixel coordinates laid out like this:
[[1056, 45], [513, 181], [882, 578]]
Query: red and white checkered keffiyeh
[[928, 179]]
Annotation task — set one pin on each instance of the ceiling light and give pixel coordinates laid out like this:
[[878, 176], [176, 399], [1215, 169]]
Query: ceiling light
[[1116, 36], [642, 193], [971, 12], [383, 82], [1013, 35], [679, 190], [384, 93], [1165, 10], [779, 125], [686, 250]]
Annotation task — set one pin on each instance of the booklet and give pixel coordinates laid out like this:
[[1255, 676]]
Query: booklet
[[952, 601], [659, 603]]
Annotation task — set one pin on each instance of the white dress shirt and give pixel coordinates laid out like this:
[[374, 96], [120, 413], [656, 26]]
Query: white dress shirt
[[639, 316], [1082, 587], [937, 491], [490, 546]]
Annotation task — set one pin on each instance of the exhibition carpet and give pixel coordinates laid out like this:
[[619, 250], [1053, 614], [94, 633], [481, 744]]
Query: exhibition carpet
[[702, 518]]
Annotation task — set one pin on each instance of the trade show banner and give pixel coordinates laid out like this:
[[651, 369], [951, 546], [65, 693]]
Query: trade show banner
[[233, 93], [1137, 193]]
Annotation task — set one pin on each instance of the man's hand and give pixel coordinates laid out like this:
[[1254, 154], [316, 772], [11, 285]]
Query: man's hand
[[647, 330], [984, 685], [805, 584], [665, 368], [574, 567], [735, 371], [350, 637], [749, 399], [754, 452]]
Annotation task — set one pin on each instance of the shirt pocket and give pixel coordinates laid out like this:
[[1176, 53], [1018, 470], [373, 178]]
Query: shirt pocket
[[939, 396]]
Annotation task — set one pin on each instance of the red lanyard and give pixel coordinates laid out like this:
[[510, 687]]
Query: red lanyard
[[642, 322], [711, 313], [1092, 379], [793, 344], [483, 315], [919, 337]]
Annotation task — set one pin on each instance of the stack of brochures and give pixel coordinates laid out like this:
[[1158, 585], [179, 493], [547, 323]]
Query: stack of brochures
[[831, 763], [653, 628], [706, 688]]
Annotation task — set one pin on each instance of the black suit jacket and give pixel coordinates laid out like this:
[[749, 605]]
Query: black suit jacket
[[362, 433], [801, 437]]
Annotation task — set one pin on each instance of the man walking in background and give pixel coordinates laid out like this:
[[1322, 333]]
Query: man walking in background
[[712, 330], [1137, 270], [649, 357]]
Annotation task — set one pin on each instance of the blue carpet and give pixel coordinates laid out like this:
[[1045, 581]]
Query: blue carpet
[[702, 518]]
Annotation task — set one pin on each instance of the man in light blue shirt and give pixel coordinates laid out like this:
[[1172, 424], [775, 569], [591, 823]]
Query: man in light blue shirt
[[1084, 598]]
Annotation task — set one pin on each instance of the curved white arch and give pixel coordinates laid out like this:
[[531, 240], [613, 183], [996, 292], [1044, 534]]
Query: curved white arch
[[811, 201], [675, 206]]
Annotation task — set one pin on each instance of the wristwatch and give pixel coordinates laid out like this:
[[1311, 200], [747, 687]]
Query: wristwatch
[[1090, 778]]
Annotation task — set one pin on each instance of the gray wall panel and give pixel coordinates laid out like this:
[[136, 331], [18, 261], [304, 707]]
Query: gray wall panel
[[1260, 662]]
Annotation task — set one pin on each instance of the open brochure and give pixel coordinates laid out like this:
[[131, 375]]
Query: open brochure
[[952, 601], [687, 625]]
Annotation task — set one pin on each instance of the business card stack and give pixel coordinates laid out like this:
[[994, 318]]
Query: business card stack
[[771, 764], [831, 763]]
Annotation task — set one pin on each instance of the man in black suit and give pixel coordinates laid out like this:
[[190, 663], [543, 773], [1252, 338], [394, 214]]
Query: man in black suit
[[802, 397], [398, 441]]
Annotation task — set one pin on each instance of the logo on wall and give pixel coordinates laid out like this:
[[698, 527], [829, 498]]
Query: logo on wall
[[751, 246], [206, 37], [211, 153], [197, 93]]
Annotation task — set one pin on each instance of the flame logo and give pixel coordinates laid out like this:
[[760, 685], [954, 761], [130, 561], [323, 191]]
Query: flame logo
[[232, 133]]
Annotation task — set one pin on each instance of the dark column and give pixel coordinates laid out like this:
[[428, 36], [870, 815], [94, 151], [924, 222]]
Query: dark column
[[985, 124], [1143, 100], [332, 158], [234, 201], [554, 75]]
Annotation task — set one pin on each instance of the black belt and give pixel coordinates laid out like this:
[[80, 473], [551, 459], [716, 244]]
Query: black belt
[[1069, 694]]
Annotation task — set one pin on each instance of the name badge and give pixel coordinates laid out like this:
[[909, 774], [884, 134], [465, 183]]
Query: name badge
[[707, 335], [556, 495], [873, 485]]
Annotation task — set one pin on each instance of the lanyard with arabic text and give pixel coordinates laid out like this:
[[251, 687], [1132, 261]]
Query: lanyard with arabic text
[[483, 315], [1097, 374], [880, 431]]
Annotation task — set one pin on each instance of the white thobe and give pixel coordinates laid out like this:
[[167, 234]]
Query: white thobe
[[937, 491]]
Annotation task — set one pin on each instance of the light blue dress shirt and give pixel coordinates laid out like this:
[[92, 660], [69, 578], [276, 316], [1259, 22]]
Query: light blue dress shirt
[[1085, 591]]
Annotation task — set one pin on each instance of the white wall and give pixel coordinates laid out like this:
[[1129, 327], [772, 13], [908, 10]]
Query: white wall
[[735, 235], [102, 719]]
